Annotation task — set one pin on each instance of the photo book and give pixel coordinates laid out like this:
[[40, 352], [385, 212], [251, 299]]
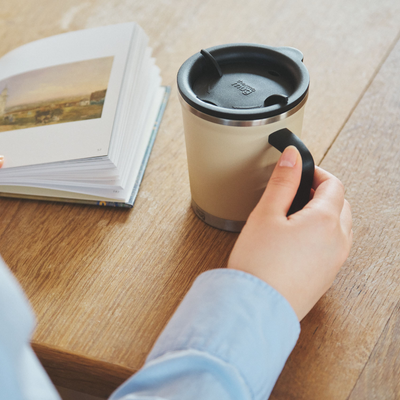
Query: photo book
[[79, 113]]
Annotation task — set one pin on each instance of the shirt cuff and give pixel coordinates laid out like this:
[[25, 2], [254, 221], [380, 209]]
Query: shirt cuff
[[238, 318]]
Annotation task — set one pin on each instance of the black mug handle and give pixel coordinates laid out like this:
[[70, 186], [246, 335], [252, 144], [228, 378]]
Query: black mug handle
[[282, 139]]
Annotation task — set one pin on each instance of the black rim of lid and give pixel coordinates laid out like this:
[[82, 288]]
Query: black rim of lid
[[283, 57]]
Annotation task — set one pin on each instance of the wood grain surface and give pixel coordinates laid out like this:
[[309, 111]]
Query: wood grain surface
[[104, 282], [349, 345], [380, 379]]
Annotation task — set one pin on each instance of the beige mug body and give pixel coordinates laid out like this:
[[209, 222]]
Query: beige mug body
[[230, 163]]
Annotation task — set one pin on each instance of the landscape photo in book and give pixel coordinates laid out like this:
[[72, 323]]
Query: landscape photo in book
[[53, 95]]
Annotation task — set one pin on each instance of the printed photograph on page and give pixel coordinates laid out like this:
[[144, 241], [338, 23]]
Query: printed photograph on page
[[54, 95]]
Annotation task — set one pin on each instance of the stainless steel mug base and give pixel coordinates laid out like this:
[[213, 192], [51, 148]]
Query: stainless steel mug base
[[216, 222]]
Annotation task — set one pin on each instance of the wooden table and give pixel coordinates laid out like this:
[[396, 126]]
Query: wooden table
[[104, 282]]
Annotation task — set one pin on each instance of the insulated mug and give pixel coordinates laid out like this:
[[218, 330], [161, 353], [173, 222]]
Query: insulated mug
[[242, 105]]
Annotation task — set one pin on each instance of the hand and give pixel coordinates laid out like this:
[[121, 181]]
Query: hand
[[1, 161], [299, 255]]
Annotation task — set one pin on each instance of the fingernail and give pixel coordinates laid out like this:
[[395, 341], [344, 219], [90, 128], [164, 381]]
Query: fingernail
[[288, 157]]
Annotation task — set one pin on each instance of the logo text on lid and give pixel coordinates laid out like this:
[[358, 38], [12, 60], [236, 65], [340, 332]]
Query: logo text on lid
[[245, 89]]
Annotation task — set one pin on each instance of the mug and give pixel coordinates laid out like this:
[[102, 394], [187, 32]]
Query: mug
[[242, 104]]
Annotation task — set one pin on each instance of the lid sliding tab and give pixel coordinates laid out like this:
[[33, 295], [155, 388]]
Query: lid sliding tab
[[212, 61]]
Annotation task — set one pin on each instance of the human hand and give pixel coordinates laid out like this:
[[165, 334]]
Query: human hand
[[1, 161], [299, 255]]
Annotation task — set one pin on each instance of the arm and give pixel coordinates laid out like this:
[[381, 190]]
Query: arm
[[229, 339], [233, 332]]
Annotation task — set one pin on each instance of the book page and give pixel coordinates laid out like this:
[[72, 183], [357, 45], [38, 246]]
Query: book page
[[58, 96]]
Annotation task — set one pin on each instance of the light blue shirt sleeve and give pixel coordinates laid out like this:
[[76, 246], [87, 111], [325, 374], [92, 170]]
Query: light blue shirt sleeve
[[229, 339], [22, 377]]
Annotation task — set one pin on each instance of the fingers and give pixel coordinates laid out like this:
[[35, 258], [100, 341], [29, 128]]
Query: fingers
[[329, 191], [283, 184], [1, 161], [329, 195], [346, 218], [320, 175]]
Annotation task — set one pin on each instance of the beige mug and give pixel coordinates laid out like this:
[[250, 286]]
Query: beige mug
[[242, 104]]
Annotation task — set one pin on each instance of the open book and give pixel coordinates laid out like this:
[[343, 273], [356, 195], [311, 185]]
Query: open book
[[78, 116]]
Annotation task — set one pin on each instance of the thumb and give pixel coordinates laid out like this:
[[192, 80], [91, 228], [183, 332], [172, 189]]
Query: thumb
[[283, 184]]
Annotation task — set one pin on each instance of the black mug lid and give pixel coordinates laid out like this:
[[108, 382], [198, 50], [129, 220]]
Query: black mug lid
[[244, 81]]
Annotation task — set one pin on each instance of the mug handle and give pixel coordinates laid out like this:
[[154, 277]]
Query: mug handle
[[282, 139]]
